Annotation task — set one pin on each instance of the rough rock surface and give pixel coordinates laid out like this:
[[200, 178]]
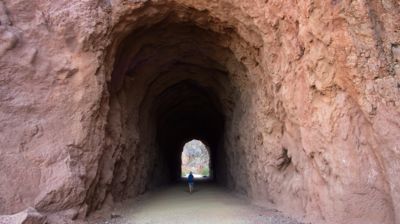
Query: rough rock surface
[[299, 102], [28, 216]]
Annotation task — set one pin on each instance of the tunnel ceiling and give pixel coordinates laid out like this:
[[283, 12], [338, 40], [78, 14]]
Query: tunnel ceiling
[[170, 45], [187, 110]]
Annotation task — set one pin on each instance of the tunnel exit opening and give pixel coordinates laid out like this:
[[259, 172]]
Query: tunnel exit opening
[[195, 158]]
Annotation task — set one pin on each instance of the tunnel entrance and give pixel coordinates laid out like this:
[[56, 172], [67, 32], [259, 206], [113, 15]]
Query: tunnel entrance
[[178, 75], [174, 80], [195, 158]]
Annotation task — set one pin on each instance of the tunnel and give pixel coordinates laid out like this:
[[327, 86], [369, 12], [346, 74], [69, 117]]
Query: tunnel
[[174, 79], [189, 113], [178, 73]]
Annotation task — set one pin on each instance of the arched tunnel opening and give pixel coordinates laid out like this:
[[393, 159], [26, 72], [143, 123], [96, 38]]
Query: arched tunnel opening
[[174, 80]]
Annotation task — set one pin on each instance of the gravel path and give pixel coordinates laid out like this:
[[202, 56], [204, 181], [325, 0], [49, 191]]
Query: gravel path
[[208, 204]]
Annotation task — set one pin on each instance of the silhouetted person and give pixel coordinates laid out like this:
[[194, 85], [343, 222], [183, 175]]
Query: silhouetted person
[[191, 182]]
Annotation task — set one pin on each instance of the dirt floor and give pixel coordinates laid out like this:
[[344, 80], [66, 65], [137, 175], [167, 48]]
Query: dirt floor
[[208, 204]]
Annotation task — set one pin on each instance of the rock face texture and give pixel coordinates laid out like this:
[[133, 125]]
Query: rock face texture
[[28, 216], [299, 102]]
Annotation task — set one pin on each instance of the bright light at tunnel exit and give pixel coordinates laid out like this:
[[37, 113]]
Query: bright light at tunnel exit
[[196, 159]]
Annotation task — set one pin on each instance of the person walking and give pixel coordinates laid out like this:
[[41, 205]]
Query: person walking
[[190, 181]]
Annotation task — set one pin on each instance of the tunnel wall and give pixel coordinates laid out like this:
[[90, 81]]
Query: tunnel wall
[[313, 130]]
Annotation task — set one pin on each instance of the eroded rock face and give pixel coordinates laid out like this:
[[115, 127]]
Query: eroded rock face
[[299, 102], [28, 216]]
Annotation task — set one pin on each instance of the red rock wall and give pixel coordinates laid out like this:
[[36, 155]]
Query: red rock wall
[[311, 101]]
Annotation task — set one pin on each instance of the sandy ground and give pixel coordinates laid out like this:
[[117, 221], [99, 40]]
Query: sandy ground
[[208, 204]]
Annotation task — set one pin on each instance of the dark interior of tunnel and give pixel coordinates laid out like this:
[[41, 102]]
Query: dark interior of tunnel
[[171, 83], [187, 111]]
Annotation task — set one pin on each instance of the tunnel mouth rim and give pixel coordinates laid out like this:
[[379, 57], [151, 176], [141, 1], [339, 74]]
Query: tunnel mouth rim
[[219, 102], [210, 70]]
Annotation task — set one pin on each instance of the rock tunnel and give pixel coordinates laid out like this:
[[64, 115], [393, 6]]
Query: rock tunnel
[[297, 102], [174, 80]]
